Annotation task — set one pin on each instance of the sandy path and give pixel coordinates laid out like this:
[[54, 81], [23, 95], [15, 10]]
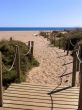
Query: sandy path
[[51, 67]]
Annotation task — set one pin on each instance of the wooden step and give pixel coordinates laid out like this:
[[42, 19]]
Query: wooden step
[[27, 96], [39, 100]]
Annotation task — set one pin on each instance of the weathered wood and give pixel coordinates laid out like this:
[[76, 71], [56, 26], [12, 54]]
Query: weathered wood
[[18, 64], [80, 94], [26, 98], [32, 48], [74, 69], [1, 87], [54, 41], [59, 43], [78, 64], [28, 45], [11, 38], [64, 46]]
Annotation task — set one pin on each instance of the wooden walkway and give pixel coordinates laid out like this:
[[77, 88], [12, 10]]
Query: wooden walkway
[[25, 96]]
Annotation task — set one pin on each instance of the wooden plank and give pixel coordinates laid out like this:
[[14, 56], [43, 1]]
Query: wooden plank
[[40, 97], [34, 86], [16, 90], [40, 94], [27, 103], [34, 108], [55, 104], [38, 100], [19, 105], [5, 108], [26, 107], [27, 100], [27, 90], [38, 87], [29, 97]]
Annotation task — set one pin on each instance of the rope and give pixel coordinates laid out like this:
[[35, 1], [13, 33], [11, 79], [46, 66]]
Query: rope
[[50, 93], [64, 63], [72, 43], [27, 52], [59, 76], [11, 65], [77, 53], [76, 46]]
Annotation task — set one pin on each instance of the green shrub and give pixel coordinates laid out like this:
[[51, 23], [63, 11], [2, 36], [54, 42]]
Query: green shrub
[[73, 35], [44, 34], [7, 49]]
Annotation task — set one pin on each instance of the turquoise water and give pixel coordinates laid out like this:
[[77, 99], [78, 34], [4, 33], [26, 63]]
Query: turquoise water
[[35, 28]]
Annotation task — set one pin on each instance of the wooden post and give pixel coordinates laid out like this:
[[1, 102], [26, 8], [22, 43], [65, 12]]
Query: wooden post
[[64, 46], [11, 38], [1, 87], [68, 47], [18, 64], [78, 65], [28, 45], [54, 41], [59, 43], [32, 48], [74, 68], [80, 93]]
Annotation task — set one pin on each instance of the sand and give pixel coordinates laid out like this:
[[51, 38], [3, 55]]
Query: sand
[[51, 59]]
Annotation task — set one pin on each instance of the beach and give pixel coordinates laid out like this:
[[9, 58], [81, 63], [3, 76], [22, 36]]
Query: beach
[[52, 60]]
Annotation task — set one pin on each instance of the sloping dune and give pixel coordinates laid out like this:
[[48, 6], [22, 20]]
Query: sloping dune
[[51, 59]]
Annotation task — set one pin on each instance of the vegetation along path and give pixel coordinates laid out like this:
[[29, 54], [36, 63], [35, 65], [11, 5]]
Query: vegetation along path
[[51, 66]]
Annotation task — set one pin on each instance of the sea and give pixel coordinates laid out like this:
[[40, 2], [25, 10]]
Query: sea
[[36, 28]]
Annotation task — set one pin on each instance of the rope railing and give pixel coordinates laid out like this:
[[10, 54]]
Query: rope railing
[[16, 63], [30, 51], [54, 90], [27, 52], [12, 66], [79, 57], [71, 43], [16, 60], [63, 74], [29, 47], [78, 54]]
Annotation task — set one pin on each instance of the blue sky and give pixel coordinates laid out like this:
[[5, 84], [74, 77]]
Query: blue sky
[[40, 13]]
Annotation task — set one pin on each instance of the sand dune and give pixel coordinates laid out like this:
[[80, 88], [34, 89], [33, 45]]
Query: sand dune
[[51, 66]]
